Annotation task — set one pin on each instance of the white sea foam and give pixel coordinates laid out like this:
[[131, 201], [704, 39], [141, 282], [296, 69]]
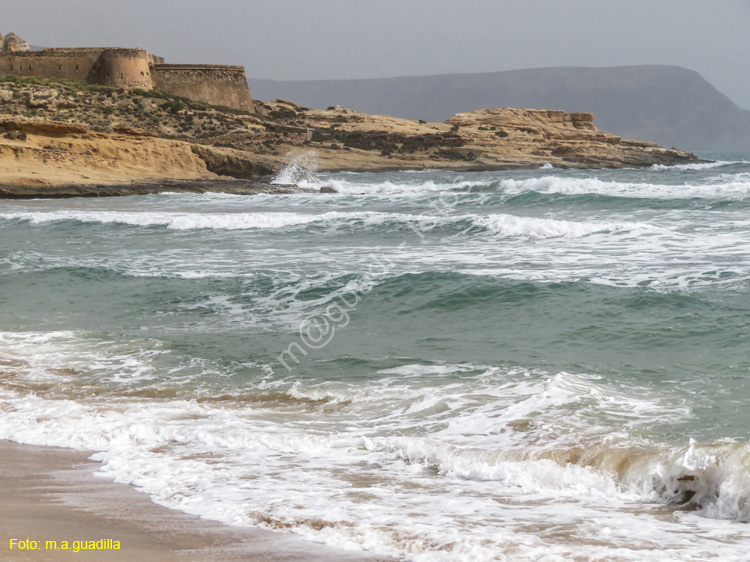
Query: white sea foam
[[712, 478], [721, 186], [414, 189], [405, 464], [498, 224], [514, 226], [664, 253], [176, 221], [736, 187], [226, 466], [695, 167]]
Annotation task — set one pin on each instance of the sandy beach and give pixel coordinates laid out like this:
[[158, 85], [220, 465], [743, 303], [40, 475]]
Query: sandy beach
[[51, 494]]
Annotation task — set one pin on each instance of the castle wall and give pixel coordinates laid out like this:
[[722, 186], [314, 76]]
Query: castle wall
[[217, 85], [52, 63], [120, 68], [134, 68]]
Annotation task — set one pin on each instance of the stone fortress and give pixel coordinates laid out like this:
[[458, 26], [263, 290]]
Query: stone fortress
[[128, 69]]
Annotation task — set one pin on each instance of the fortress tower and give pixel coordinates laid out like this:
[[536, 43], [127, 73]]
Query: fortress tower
[[128, 69]]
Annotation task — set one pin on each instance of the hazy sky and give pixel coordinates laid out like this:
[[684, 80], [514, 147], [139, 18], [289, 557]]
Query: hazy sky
[[309, 39]]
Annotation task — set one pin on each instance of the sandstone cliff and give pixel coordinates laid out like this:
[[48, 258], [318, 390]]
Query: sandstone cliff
[[479, 140], [49, 159], [45, 153], [48, 139]]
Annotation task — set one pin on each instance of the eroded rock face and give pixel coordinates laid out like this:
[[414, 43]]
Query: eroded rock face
[[6, 96], [12, 43], [233, 163], [45, 128], [42, 98], [15, 135], [562, 139], [48, 153], [135, 132], [485, 139]]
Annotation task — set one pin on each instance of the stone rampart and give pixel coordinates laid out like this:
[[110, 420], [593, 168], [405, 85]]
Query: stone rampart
[[214, 84], [52, 63], [134, 68]]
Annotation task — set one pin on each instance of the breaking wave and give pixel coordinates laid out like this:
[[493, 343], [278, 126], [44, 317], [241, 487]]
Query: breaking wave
[[231, 463], [693, 167], [496, 224], [736, 187]]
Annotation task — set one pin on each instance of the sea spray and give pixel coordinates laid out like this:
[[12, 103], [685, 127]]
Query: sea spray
[[300, 170]]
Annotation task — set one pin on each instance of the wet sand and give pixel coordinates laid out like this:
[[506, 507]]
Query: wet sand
[[51, 494]]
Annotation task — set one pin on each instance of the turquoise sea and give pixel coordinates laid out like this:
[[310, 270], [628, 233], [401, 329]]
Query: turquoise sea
[[531, 365]]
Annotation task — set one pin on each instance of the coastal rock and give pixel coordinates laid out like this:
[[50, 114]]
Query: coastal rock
[[214, 143], [134, 132], [12, 43], [485, 139], [6, 96], [42, 98], [57, 154], [45, 128], [234, 163], [66, 103], [568, 140], [15, 135], [582, 121]]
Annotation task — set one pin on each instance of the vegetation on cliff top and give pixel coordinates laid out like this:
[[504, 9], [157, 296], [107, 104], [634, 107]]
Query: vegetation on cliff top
[[103, 108]]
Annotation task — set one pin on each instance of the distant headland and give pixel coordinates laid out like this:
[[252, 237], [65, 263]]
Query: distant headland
[[128, 69]]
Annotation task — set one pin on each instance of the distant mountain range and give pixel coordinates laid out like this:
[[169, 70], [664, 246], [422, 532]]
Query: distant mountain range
[[669, 105]]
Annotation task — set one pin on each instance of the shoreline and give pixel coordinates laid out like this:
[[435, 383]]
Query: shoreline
[[67, 191], [51, 494], [60, 158], [234, 186]]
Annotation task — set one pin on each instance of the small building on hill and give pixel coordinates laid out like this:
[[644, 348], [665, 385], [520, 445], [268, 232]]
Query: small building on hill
[[128, 69]]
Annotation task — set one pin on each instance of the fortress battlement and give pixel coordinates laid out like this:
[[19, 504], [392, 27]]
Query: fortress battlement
[[128, 69], [228, 67], [80, 51]]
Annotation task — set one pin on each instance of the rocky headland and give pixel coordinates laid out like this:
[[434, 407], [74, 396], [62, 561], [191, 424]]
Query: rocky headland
[[63, 138], [668, 105]]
